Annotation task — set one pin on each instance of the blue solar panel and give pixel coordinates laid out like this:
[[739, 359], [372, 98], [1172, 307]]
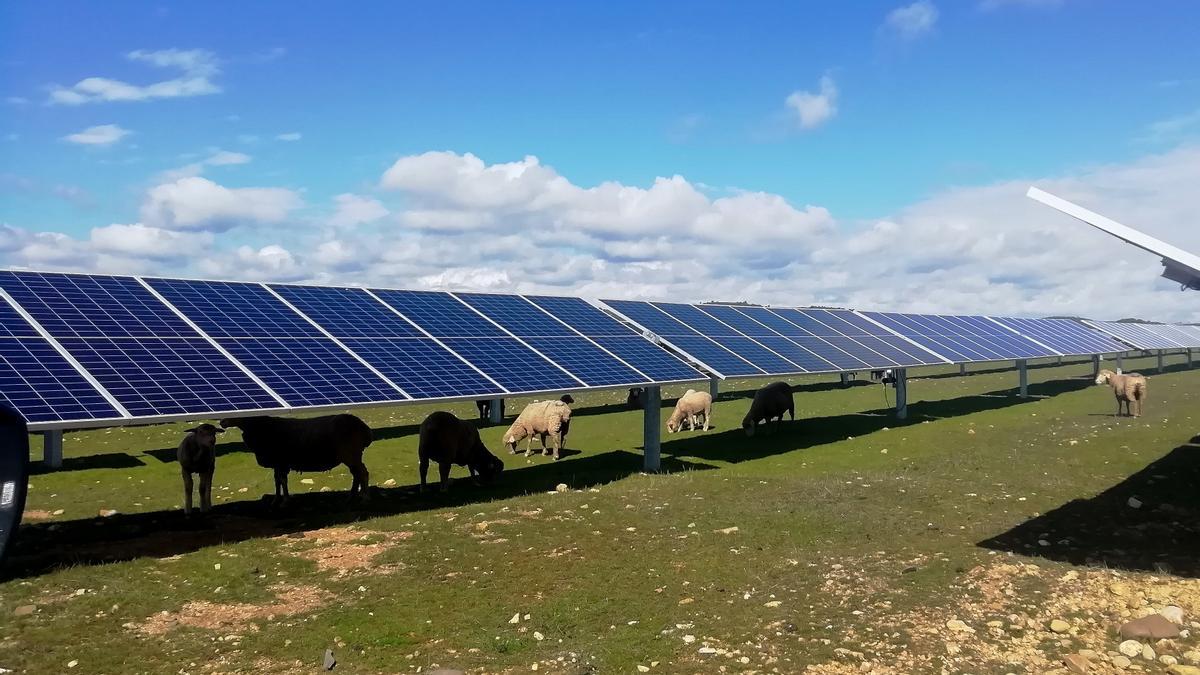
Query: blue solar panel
[[581, 315], [516, 367], [309, 371], [422, 368], [440, 314], [697, 320], [167, 376], [43, 386], [892, 347], [347, 312], [678, 334], [1172, 333], [1063, 335], [233, 309], [792, 351], [841, 360], [874, 351], [1135, 335], [962, 339], [79, 305], [517, 315], [13, 324]]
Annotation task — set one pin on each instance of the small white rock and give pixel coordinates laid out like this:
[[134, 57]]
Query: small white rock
[[1130, 648], [1173, 614], [689, 639], [1134, 503]]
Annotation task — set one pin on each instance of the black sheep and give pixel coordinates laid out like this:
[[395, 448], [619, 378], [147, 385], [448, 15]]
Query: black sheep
[[313, 444], [448, 440]]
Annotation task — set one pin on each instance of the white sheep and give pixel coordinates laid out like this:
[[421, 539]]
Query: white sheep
[[691, 406], [541, 419], [1128, 388]]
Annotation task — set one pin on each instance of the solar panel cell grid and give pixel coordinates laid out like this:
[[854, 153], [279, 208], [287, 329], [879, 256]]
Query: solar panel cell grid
[[512, 364], [1135, 335], [347, 312], [696, 319], [310, 371], [77, 305], [440, 314], [649, 359], [421, 367], [232, 309], [41, 385], [593, 365], [581, 315], [517, 315]]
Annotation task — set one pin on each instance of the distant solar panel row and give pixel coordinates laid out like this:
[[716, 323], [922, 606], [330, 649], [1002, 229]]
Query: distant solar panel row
[[1151, 335], [170, 347]]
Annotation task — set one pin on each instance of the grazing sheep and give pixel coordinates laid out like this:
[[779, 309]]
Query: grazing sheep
[[634, 400], [485, 408], [770, 402], [1128, 388], [198, 454], [448, 440], [691, 406], [541, 419], [313, 444]]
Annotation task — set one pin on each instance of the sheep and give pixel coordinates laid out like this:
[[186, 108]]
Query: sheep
[[541, 419], [691, 406], [770, 402], [634, 400], [1128, 388], [485, 408], [313, 444], [448, 440], [198, 454]]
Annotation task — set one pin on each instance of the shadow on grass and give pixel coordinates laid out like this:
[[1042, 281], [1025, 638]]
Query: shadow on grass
[[1162, 535], [108, 460], [734, 446], [43, 547]]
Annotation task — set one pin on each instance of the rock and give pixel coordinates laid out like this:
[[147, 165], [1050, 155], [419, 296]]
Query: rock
[[1154, 626], [108, 513], [72, 663], [1130, 648], [958, 626], [330, 662], [706, 650], [1193, 656], [773, 603], [1059, 626], [1134, 503], [306, 481], [1168, 660], [1173, 614], [25, 610], [1077, 663], [643, 669], [391, 482], [1121, 662], [1183, 670], [689, 639], [516, 618], [727, 530], [538, 636], [1148, 652], [561, 487]]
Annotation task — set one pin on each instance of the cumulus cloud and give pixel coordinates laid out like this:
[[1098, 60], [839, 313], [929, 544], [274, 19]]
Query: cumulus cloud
[[269, 263], [356, 210], [195, 203], [217, 157], [814, 109], [197, 69], [140, 240], [912, 21], [100, 135]]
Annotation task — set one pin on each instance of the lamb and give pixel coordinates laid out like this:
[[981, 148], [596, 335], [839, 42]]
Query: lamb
[[198, 454], [541, 419], [691, 406], [634, 400], [770, 402], [1128, 388], [448, 440], [313, 444]]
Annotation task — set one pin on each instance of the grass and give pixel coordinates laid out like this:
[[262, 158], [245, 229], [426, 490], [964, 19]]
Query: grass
[[855, 534]]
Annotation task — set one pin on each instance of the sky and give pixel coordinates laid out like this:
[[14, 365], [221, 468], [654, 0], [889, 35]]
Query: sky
[[871, 155]]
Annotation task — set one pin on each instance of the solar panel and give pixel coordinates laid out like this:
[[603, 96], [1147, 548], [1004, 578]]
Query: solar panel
[[1134, 334], [875, 338], [151, 361], [289, 354], [826, 350], [1191, 330], [1172, 333], [504, 358], [793, 352], [418, 364], [961, 339], [580, 356], [654, 362], [875, 347], [678, 335], [724, 335], [1065, 336]]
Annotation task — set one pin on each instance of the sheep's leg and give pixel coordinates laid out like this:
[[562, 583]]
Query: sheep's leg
[[444, 473], [206, 491], [707, 415], [557, 443], [529, 446], [361, 476], [424, 469], [281, 487], [545, 450], [187, 493]]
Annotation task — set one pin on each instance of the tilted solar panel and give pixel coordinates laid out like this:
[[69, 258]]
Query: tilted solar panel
[[874, 337], [961, 338], [1065, 336], [765, 359], [417, 363], [278, 345], [151, 361], [827, 351], [1172, 333], [678, 335], [1134, 334], [792, 351]]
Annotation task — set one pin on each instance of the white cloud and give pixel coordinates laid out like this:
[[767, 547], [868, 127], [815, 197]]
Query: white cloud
[[104, 134], [1173, 129], [913, 21], [197, 66], [195, 203], [813, 110], [140, 240], [217, 158], [356, 210], [269, 263], [290, 136]]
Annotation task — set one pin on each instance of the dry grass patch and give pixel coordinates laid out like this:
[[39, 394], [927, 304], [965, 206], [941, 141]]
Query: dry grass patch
[[289, 600]]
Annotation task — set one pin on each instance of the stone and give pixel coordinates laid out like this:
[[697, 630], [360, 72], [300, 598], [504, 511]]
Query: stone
[[1154, 626], [1134, 503], [391, 482], [561, 487], [1148, 652], [643, 669], [1168, 660], [1130, 648], [1173, 614], [958, 626], [330, 662], [1193, 656], [706, 650], [1122, 662], [1059, 626], [25, 610], [1183, 670], [1077, 663]]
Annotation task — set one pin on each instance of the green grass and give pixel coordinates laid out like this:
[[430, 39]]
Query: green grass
[[617, 571]]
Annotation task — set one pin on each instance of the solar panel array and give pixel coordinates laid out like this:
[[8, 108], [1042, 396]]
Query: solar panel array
[[90, 350]]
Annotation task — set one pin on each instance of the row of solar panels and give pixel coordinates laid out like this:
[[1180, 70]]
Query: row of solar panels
[[84, 350]]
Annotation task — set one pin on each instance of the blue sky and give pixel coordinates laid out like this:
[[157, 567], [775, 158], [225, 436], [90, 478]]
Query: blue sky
[[940, 97]]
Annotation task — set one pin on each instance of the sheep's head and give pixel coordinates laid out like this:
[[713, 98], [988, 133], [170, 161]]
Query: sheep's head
[[748, 425], [672, 426], [487, 465], [1104, 376], [206, 434]]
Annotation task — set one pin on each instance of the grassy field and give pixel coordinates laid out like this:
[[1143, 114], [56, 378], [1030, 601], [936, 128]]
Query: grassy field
[[844, 543]]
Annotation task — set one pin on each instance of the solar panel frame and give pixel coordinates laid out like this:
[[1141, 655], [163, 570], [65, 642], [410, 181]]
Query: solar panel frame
[[1068, 337], [711, 355], [1182, 338]]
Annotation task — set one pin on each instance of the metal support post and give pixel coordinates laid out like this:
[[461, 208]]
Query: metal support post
[[1095, 365], [1060, 359], [962, 369], [52, 453], [714, 387], [652, 430], [496, 411], [901, 376], [1189, 357], [1120, 362], [1023, 373], [845, 377], [1160, 360]]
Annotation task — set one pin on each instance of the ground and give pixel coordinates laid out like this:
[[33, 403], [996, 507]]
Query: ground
[[846, 542]]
